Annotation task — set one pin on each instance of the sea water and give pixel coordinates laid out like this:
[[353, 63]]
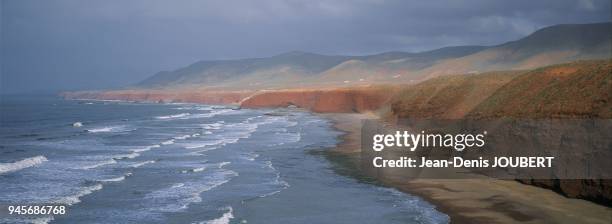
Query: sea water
[[182, 163]]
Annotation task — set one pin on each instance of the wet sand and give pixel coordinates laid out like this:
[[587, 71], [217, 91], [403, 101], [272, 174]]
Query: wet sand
[[478, 200]]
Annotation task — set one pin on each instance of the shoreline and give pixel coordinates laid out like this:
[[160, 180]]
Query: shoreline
[[469, 200], [464, 200]]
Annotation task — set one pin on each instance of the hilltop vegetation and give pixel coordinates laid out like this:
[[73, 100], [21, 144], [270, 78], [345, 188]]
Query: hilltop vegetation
[[577, 90]]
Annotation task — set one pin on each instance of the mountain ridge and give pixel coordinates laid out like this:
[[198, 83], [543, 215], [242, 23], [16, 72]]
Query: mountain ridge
[[550, 45]]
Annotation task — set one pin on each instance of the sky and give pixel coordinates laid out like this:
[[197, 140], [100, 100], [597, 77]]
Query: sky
[[57, 45]]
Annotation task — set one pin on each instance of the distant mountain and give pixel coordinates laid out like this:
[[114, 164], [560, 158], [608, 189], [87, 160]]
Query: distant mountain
[[212, 72], [550, 45]]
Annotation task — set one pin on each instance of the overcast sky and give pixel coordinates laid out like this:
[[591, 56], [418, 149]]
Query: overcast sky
[[70, 45]]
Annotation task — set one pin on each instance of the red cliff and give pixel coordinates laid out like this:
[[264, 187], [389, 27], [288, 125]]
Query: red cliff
[[358, 99]]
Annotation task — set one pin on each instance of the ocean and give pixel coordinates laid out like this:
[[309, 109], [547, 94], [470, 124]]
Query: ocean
[[126, 162]]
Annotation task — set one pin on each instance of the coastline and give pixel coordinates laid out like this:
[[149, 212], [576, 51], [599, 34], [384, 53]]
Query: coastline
[[466, 200], [470, 200]]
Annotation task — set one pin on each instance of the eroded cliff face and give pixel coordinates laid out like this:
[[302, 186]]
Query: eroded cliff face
[[348, 100]]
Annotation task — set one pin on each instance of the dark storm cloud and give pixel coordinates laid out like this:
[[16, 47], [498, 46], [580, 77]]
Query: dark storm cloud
[[101, 44]]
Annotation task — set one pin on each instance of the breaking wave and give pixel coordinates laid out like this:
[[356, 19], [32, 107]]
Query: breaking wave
[[147, 148], [118, 128], [116, 179], [179, 196], [136, 165], [224, 219], [172, 116], [75, 198], [22, 164]]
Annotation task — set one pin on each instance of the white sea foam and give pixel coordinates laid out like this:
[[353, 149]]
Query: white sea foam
[[213, 126], [200, 169], [295, 137], [268, 164], [117, 179], [75, 198], [177, 185], [104, 129], [147, 148], [201, 152], [42, 220], [222, 164], [172, 116], [136, 165], [235, 132], [194, 170], [169, 142], [224, 219], [203, 144], [182, 137], [426, 211], [194, 116], [22, 164], [118, 128], [179, 197], [99, 164], [251, 157], [127, 156], [277, 181], [209, 114], [24, 220]]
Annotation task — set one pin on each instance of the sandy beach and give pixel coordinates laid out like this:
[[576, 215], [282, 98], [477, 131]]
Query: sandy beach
[[481, 200]]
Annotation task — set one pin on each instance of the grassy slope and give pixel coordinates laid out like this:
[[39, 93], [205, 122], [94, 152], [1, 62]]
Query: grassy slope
[[578, 89], [448, 96]]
